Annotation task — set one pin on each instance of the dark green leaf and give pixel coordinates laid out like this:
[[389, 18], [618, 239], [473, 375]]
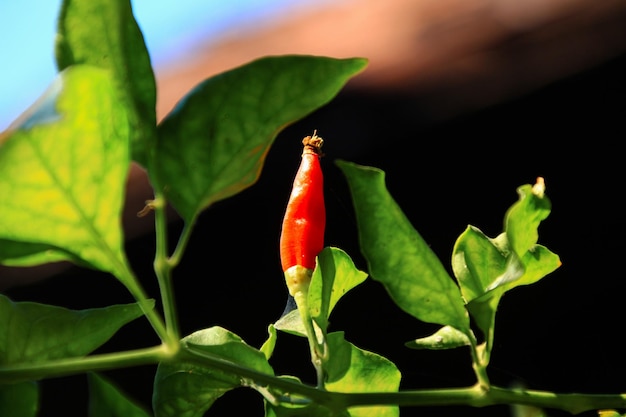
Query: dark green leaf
[[397, 255], [213, 144], [63, 169], [104, 33], [106, 400], [187, 390], [19, 400], [35, 332], [445, 338], [26, 254], [351, 369]]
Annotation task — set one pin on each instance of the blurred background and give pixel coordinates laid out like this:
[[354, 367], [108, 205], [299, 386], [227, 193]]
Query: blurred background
[[463, 101]]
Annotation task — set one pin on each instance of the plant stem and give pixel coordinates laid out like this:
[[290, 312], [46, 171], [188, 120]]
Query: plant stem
[[317, 350], [151, 314], [174, 260], [474, 396], [69, 366], [163, 270]]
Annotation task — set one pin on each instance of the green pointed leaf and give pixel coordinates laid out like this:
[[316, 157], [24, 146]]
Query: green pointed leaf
[[104, 34], [34, 332], [398, 256], [351, 369], [270, 343], [106, 400], [523, 218], [334, 275], [213, 144], [184, 389], [477, 261], [445, 338], [487, 268], [63, 168], [19, 400]]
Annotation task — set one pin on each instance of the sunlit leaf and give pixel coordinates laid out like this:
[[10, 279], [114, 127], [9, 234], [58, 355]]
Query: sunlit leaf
[[291, 323], [445, 338], [34, 332], [63, 169], [334, 275], [487, 268], [106, 400], [523, 218], [19, 400], [351, 369], [213, 144], [398, 256], [609, 413], [104, 33], [184, 389], [270, 343], [477, 261]]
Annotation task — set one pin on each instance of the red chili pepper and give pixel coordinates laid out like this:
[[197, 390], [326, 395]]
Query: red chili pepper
[[302, 234]]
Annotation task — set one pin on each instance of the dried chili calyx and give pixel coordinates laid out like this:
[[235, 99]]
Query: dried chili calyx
[[302, 234]]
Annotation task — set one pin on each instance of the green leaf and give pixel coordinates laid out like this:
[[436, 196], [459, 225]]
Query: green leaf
[[19, 400], [63, 169], [477, 261], [183, 389], [291, 323], [522, 219], [213, 144], [26, 254], [104, 33], [106, 400], [334, 275], [398, 256], [34, 332], [445, 338], [487, 268], [351, 369], [270, 343]]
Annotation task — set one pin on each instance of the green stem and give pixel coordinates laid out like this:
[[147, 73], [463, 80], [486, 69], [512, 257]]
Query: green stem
[[479, 363], [317, 349], [474, 396], [163, 270], [69, 366], [151, 314], [174, 260]]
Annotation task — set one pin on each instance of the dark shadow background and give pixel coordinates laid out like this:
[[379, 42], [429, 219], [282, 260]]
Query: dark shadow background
[[562, 334]]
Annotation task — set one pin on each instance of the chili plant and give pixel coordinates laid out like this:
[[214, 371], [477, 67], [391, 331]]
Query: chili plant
[[63, 170]]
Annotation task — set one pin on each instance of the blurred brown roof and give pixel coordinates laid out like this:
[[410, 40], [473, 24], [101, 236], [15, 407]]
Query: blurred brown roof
[[461, 53]]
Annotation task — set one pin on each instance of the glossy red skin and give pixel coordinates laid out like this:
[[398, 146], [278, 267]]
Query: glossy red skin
[[302, 235]]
